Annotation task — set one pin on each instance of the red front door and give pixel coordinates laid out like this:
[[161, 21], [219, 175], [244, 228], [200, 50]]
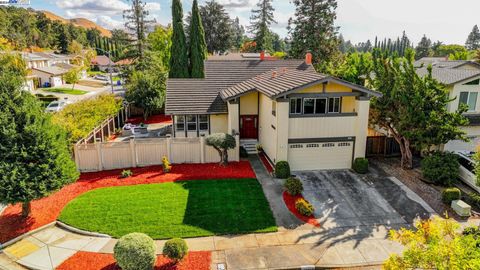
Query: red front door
[[249, 126]]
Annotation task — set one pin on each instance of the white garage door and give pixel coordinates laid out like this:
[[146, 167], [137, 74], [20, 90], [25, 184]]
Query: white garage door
[[320, 156]]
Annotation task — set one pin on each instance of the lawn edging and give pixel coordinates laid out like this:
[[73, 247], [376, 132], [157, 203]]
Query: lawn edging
[[80, 231], [25, 235]]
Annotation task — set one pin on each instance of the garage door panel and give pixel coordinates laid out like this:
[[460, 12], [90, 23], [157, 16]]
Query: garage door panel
[[320, 156]]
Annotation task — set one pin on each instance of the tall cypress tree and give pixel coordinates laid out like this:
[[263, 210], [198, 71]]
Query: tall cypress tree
[[179, 51], [473, 40], [260, 21], [198, 46]]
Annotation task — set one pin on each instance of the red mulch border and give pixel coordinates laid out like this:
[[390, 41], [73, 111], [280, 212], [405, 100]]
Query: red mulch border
[[154, 119], [47, 210], [198, 260], [290, 202], [266, 163]]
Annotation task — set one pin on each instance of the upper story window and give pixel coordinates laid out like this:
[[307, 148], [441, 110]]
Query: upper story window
[[180, 123], [474, 82], [312, 106], [295, 106], [470, 99], [334, 105], [191, 122], [308, 106]]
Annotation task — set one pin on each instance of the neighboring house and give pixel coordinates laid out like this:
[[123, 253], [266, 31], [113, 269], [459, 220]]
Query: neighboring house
[[52, 76], [462, 79], [102, 63], [311, 120], [68, 67]]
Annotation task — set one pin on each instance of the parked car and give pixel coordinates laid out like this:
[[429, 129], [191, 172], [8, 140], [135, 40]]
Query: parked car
[[56, 106], [467, 169], [102, 77]]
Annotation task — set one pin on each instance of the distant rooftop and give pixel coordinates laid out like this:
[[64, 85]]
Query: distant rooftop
[[448, 71], [236, 56]]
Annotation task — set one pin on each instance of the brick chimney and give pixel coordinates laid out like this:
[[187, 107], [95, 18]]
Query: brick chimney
[[262, 55], [308, 58]]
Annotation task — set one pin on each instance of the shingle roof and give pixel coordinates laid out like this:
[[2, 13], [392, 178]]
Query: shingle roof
[[200, 96], [52, 70], [449, 76]]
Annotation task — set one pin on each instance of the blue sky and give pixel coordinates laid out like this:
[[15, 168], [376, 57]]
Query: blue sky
[[359, 20]]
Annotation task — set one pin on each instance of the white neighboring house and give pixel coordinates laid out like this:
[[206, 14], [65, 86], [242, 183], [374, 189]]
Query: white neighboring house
[[50, 75], [68, 67]]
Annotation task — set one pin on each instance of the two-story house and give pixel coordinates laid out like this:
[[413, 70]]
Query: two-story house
[[312, 120]]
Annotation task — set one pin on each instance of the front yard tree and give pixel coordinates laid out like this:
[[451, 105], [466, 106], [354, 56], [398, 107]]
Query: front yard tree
[[260, 21], [473, 40], [147, 90], [34, 154], [222, 142], [73, 76], [179, 54], [413, 109], [198, 47]]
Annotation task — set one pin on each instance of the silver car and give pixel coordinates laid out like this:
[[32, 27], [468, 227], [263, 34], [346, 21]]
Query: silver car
[[467, 169], [56, 106]]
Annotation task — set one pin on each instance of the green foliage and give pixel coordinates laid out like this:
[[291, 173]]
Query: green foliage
[[472, 230], [473, 40], [447, 50], [160, 45], [304, 207], [413, 108], [80, 118], [473, 199], [198, 46], [360, 165], [441, 168], [126, 173], [35, 159], [175, 249], [135, 251], [137, 23], [451, 194], [459, 56], [354, 68], [434, 244], [147, 90], [260, 22], [179, 53], [424, 48], [293, 186], [222, 142], [394, 47], [282, 170], [72, 76]]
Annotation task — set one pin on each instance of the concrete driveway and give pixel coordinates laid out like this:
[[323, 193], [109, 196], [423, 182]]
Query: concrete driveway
[[344, 199]]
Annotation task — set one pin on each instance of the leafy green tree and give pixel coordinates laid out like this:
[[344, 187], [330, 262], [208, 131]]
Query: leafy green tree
[[137, 22], [278, 44], [435, 244], [222, 142], [218, 27], [313, 30], [458, 56], [424, 48], [64, 39], [160, 44], [354, 68], [260, 21], [473, 40], [447, 50], [238, 34], [73, 76], [197, 46], [34, 155], [413, 109], [179, 54]]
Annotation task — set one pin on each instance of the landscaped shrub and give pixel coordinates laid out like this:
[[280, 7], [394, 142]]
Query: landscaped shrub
[[360, 165], [282, 170], [243, 152], [126, 173], [451, 194], [472, 230], [175, 249], [135, 251], [293, 186], [441, 168], [304, 207], [473, 199]]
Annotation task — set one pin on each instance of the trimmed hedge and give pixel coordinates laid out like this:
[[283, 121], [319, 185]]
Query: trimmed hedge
[[135, 251], [175, 249], [293, 186], [441, 168], [304, 207], [282, 170], [360, 165], [451, 194]]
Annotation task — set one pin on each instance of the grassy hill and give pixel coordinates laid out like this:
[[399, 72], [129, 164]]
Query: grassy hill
[[80, 22]]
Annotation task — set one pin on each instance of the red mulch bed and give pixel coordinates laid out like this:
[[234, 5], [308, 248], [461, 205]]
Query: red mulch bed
[[46, 210], [97, 261], [290, 202], [266, 163], [154, 119]]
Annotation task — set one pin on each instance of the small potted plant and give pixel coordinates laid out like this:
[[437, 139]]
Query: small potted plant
[[259, 148]]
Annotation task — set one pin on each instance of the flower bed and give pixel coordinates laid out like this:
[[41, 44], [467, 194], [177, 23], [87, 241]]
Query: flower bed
[[290, 202], [154, 119], [266, 163], [47, 210], [98, 261]]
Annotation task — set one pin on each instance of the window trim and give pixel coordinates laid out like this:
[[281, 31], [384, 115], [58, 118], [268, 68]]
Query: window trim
[[203, 122], [469, 95], [294, 102], [178, 122], [296, 105], [339, 105], [191, 122]]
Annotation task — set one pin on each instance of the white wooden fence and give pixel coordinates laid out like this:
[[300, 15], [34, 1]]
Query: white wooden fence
[[101, 156]]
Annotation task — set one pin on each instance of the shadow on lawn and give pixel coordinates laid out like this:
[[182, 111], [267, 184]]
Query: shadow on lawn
[[232, 206]]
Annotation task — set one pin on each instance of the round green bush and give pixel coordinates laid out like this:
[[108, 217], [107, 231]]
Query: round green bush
[[451, 194], [441, 168], [293, 186], [175, 249], [304, 207], [360, 165], [135, 251], [282, 170]]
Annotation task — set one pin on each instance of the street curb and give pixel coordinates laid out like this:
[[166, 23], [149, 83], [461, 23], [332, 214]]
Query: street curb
[[79, 231], [25, 235]]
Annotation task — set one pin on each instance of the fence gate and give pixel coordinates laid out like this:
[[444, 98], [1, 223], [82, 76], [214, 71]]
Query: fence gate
[[382, 146]]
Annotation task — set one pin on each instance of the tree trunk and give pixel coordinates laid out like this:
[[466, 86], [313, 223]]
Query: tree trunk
[[407, 157], [225, 158], [26, 208]]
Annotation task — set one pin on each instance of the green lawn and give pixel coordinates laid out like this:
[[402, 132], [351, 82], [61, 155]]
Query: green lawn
[[181, 209], [66, 91]]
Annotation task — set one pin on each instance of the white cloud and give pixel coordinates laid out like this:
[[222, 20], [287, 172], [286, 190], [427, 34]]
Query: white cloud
[[109, 23], [152, 6], [110, 7]]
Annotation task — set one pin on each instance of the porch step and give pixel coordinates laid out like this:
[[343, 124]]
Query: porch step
[[250, 146]]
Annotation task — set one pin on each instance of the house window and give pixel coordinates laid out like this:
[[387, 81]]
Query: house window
[[308, 106], [295, 105], [474, 82], [320, 105], [470, 99], [334, 105], [180, 123], [191, 122], [203, 122]]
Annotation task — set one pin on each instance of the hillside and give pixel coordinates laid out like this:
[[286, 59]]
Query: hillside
[[81, 22]]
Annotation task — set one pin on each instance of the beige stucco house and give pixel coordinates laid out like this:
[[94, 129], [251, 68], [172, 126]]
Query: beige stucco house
[[311, 120]]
